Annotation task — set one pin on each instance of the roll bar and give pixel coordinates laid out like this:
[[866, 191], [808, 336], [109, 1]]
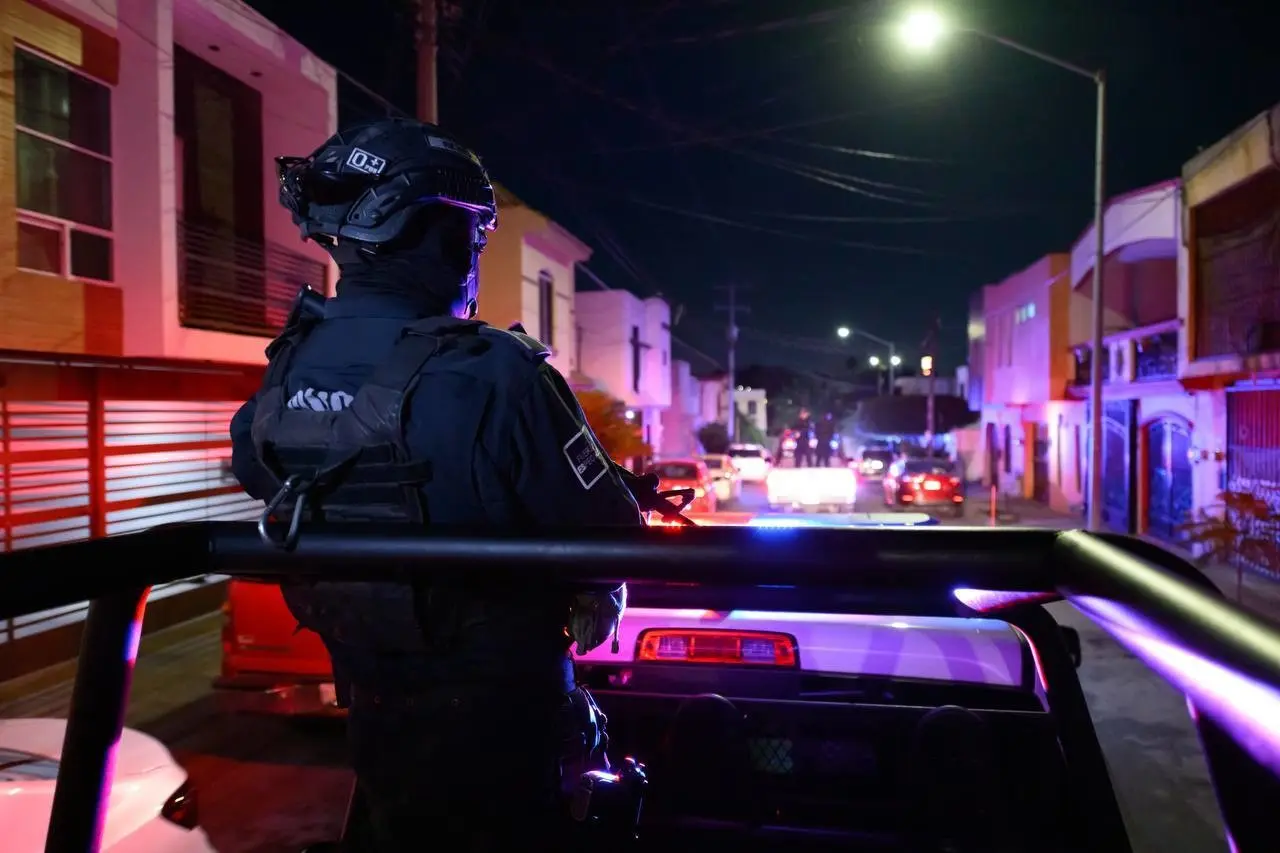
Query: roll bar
[[1223, 658]]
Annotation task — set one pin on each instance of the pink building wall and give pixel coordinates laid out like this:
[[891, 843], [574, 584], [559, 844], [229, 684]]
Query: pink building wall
[[299, 110]]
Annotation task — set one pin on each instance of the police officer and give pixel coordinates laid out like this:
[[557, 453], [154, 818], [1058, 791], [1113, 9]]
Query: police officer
[[399, 406]]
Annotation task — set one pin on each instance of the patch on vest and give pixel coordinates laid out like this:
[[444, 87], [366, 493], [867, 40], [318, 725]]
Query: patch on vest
[[585, 458], [320, 401]]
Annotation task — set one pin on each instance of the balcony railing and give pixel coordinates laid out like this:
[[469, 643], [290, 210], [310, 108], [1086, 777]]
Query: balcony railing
[[1156, 357], [229, 284]]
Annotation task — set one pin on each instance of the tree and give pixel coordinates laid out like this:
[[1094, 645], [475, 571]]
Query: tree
[[907, 415], [607, 417], [714, 438], [748, 432]]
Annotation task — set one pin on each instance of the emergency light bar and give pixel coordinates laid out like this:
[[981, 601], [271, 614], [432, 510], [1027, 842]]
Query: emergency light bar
[[1225, 659]]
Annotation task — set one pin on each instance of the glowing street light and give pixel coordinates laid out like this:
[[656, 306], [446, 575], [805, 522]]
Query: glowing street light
[[920, 31], [843, 332], [895, 360], [923, 29], [874, 361]]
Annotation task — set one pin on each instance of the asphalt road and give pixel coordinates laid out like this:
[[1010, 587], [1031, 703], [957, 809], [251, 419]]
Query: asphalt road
[[272, 786]]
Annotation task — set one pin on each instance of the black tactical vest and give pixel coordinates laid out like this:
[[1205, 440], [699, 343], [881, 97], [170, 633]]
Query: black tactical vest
[[352, 464]]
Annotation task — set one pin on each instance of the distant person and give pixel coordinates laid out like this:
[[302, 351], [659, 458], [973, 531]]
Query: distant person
[[804, 439], [825, 431]]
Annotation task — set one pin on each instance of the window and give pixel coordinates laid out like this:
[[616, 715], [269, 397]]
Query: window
[[1026, 312], [546, 308], [751, 408], [1008, 449], [62, 149], [636, 358]]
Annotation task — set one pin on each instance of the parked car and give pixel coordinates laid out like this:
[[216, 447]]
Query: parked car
[[152, 807], [752, 461], [724, 477], [874, 463], [925, 482], [687, 474]]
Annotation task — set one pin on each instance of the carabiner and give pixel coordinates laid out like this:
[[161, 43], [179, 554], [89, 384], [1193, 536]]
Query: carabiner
[[296, 486]]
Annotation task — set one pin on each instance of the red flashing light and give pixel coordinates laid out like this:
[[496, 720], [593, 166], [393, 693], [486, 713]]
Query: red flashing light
[[711, 646]]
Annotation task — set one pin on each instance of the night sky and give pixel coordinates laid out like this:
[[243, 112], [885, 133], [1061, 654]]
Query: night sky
[[798, 150]]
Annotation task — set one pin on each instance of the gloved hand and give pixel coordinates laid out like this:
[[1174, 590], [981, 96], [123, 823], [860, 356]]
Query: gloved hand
[[594, 616]]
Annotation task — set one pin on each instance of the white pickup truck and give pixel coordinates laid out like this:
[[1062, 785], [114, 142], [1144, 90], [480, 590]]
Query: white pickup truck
[[812, 489]]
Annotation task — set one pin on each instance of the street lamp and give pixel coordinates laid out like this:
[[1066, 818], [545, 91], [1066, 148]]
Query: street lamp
[[846, 332], [922, 30]]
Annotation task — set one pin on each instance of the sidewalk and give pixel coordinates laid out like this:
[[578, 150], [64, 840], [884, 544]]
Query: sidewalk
[[1254, 592], [176, 666]]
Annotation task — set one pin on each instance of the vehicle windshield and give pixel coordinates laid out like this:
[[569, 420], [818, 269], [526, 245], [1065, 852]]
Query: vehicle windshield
[[746, 452], [675, 470]]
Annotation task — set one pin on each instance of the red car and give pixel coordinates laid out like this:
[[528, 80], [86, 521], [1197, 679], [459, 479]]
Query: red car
[[687, 474], [925, 483]]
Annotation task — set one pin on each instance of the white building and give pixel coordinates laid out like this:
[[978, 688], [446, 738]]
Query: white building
[[624, 344], [752, 404], [682, 419], [527, 277], [918, 386]]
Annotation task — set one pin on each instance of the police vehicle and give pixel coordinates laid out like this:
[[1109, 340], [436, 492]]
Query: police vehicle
[[751, 728], [152, 806]]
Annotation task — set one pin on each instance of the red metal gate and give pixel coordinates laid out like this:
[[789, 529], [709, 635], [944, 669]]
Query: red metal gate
[[98, 447], [1253, 442]]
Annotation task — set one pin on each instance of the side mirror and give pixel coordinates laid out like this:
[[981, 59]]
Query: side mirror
[[1071, 638]]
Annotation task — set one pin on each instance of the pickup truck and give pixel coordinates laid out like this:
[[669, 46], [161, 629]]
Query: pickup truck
[[812, 489]]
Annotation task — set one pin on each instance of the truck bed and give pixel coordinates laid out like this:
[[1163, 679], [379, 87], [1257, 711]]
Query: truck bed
[[812, 489]]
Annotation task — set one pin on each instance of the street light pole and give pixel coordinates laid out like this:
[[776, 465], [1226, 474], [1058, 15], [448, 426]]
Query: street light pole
[[893, 358], [923, 30], [1099, 308], [1097, 373]]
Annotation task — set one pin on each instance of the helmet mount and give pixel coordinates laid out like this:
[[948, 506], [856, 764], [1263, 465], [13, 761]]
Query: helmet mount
[[360, 193]]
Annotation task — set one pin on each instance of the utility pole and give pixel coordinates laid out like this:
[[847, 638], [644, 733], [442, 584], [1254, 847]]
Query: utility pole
[[929, 368], [732, 307], [426, 39]]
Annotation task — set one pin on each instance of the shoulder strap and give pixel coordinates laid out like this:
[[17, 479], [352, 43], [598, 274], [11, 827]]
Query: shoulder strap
[[379, 404]]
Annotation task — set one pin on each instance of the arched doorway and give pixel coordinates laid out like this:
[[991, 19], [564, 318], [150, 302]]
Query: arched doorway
[[1168, 477]]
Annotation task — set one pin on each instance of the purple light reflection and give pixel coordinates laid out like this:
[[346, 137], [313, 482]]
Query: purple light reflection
[[989, 600], [1246, 708]]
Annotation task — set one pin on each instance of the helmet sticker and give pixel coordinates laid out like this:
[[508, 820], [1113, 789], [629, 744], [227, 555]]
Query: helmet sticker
[[450, 145], [363, 161]]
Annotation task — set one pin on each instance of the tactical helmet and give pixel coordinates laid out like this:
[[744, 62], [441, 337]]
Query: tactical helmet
[[364, 186]]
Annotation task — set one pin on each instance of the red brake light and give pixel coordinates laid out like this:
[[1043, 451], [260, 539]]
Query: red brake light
[[701, 645], [181, 808]]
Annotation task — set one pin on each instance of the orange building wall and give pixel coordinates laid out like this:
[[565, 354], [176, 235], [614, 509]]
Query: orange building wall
[[41, 312]]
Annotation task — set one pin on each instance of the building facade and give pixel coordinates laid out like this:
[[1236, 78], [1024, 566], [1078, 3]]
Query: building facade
[[1230, 297], [141, 188], [1031, 430], [527, 276], [625, 346], [681, 420], [1149, 418]]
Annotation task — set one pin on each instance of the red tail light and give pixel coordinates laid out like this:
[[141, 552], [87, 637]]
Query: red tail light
[[701, 645], [181, 808], [955, 481]]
